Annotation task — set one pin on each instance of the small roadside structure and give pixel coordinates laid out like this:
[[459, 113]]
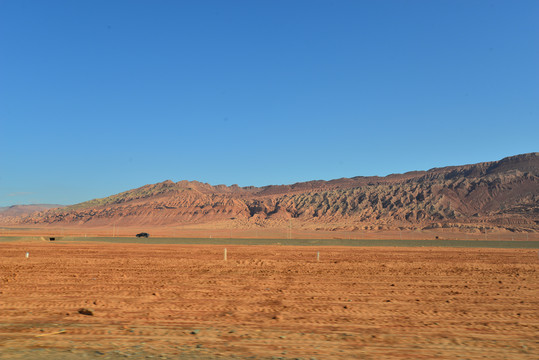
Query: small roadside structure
[[143, 234]]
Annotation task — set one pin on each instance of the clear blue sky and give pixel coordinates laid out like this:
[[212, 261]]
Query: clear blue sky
[[98, 97]]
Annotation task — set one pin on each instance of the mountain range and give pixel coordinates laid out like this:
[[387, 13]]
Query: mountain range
[[23, 210], [502, 194]]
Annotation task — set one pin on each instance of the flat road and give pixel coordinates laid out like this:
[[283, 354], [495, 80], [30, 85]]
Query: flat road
[[504, 244]]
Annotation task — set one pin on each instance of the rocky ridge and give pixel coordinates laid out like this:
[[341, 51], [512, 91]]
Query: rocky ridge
[[503, 194], [24, 210]]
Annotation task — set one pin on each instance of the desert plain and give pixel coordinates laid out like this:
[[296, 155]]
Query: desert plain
[[86, 300]]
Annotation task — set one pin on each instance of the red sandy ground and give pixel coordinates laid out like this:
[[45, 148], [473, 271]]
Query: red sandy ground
[[182, 301]]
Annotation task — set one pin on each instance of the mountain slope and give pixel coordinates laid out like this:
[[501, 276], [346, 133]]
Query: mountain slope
[[22, 210], [502, 193]]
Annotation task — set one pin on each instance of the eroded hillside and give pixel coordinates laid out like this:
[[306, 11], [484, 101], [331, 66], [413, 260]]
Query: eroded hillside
[[503, 194]]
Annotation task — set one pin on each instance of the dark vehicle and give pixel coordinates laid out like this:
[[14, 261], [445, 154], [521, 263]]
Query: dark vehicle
[[146, 235]]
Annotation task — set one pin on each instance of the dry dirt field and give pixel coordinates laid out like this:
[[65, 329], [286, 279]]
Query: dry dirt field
[[264, 302]]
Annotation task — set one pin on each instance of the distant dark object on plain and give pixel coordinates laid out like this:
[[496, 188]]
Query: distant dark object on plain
[[146, 235], [52, 239], [85, 311]]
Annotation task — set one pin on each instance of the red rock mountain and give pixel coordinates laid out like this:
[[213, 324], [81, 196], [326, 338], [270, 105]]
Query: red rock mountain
[[22, 210], [503, 194]]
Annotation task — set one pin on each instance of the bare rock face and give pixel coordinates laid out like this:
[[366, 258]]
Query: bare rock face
[[502, 193]]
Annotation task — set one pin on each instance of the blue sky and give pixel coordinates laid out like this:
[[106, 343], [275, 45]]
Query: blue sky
[[98, 97]]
